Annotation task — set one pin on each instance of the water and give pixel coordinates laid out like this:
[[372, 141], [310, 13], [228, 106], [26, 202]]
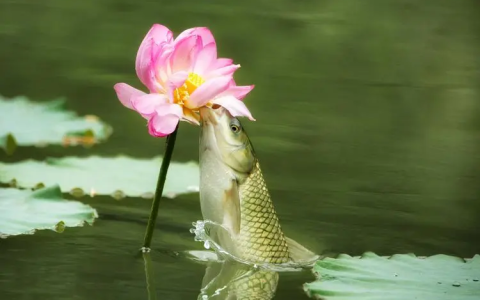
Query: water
[[201, 229], [368, 132]]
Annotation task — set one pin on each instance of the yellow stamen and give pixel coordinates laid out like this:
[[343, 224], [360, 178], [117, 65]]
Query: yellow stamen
[[182, 94]]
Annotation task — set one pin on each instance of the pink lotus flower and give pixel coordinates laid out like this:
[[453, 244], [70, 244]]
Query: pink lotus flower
[[182, 75]]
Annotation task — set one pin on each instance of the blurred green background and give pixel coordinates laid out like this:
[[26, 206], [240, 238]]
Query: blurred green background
[[368, 130]]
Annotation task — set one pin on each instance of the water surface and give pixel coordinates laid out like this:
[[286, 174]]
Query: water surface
[[368, 131]]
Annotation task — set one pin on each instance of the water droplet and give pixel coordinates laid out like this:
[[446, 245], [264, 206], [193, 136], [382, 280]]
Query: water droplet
[[13, 183], [206, 245], [457, 284], [41, 144], [38, 186], [193, 189], [60, 227], [147, 195], [91, 118], [77, 192], [170, 195], [118, 195], [11, 144], [475, 279]]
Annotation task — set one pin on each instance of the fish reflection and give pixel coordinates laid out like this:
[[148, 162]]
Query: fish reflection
[[230, 280]]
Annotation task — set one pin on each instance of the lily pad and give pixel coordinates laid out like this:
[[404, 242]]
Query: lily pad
[[117, 176], [24, 211], [399, 277], [27, 123]]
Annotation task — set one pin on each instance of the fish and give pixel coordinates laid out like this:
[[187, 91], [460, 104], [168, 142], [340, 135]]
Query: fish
[[234, 194], [230, 280]]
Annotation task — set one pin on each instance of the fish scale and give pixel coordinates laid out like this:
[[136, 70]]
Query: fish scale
[[259, 286], [261, 238], [238, 281]]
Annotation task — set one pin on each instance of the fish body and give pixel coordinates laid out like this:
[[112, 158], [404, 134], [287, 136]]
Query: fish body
[[232, 281], [233, 193], [260, 236]]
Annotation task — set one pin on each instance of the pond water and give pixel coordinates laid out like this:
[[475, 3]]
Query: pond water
[[368, 132]]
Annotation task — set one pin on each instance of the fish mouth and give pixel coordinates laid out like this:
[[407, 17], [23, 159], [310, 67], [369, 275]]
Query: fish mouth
[[210, 125], [208, 116], [207, 134], [211, 115]]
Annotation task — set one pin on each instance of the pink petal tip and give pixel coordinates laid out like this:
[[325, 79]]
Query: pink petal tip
[[127, 93]]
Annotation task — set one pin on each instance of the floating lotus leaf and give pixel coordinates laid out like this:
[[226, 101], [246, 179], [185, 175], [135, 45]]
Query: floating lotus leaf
[[25, 211], [400, 277], [27, 123], [118, 176]]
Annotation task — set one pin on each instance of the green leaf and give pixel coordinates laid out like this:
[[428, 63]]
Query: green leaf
[[400, 277], [117, 176], [27, 123], [24, 211]]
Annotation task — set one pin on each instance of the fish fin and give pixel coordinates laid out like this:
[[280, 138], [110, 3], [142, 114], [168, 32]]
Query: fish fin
[[300, 254], [231, 208]]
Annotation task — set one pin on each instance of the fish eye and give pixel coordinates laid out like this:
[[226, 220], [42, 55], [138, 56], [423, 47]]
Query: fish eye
[[234, 128]]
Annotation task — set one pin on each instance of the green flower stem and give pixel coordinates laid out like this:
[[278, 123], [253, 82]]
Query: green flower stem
[[170, 144]]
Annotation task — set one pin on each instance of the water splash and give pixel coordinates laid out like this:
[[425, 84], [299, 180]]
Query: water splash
[[201, 229]]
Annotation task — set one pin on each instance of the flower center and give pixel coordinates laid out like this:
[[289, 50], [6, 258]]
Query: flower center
[[182, 94]]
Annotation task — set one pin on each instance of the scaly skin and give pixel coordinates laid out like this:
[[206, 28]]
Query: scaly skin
[[239, 282], [261, 238], [259, 286]]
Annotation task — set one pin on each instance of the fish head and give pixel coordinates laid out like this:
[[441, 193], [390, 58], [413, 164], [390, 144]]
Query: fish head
[[225, 136], [226, 160]]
